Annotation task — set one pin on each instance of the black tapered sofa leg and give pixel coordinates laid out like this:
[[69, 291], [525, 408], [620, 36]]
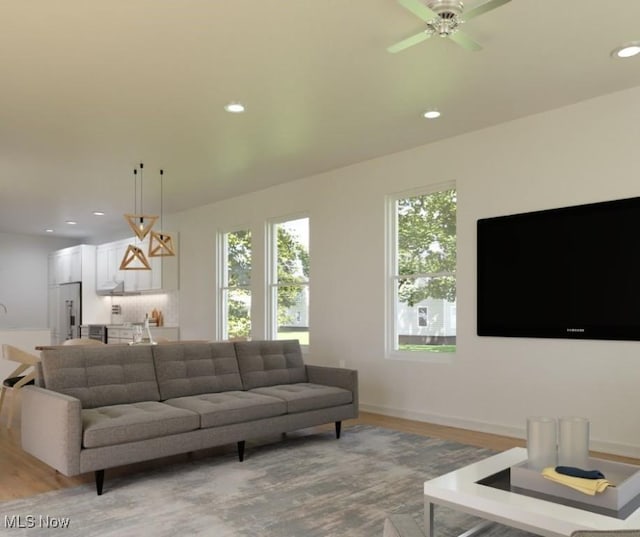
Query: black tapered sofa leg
[[338, 428], [241, 450], [99, 481]]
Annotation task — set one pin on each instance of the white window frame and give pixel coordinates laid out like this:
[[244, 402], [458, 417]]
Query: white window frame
[[392, 351], [272, 275], [222, 332]]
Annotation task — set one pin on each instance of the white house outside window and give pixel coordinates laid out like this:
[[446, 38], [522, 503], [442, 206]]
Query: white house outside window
[[289, 280], [422, 273]]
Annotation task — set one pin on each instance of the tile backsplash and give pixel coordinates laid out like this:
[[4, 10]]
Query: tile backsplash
[[134, 308]]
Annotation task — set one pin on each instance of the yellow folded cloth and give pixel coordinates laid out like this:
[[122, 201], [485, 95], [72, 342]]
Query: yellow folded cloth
[[586, 486]]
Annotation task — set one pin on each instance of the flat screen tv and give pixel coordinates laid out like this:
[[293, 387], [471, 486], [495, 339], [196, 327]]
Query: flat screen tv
[[572, 272]]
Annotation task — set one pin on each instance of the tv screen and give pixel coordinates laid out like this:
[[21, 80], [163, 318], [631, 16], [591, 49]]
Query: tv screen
[[572, 272]]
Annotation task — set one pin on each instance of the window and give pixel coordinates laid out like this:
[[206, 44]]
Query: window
[[235, 289], [422, 275], [289, 280], [422, 316]]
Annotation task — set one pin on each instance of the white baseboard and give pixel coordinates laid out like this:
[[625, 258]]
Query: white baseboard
[[614, 448]]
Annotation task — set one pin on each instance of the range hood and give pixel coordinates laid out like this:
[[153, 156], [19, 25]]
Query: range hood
[[110, 288]]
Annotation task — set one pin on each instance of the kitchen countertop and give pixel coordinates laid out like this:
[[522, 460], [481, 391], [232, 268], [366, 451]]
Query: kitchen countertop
[[15, 329], [131, 325], [48, 347]]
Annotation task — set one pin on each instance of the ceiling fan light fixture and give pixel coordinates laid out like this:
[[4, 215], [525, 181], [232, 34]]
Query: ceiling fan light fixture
[[444, 18], [448, 20], [432, 113], [626, 51], [444, 27]]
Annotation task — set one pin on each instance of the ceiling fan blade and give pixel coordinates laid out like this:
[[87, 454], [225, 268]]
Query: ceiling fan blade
[[465, 41], [409, 42], [418, 9], [483, 8]]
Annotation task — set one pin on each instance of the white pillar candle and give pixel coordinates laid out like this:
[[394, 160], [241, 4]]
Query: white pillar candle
[[541, 442], [573, 442]]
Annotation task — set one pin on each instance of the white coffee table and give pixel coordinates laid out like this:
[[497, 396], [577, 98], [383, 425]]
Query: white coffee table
[[461, 491]]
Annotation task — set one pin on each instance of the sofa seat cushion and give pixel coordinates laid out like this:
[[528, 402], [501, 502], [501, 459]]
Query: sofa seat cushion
[[119, 424], [225, 408], [305, 396]]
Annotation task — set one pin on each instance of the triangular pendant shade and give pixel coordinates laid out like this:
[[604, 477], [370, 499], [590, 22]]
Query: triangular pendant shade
[[141, 224], [161, 245], [134, 259]]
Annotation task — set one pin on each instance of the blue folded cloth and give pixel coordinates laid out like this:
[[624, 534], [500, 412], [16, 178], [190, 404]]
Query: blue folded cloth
[[579, 472]]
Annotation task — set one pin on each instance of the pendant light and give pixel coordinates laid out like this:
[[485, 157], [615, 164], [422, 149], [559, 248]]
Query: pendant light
[[139, 222], [160, 243]]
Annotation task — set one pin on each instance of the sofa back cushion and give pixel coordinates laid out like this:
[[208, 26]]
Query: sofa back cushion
[[101, 375], [268, 363], [194, 368]]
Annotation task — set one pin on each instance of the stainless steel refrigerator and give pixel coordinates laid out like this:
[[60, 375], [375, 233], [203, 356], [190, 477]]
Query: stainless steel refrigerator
[[68, 312]]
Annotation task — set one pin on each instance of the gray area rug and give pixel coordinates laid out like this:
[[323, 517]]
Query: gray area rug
[[302, 485]]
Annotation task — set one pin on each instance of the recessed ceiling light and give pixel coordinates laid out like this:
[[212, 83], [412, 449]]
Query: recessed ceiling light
[[234, 108], [98, 213], [626, 51], [432, 114], [48, 230], [71, 222]]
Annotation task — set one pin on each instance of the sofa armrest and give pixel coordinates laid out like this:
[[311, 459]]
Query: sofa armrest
[[52, 428], [335, 376]]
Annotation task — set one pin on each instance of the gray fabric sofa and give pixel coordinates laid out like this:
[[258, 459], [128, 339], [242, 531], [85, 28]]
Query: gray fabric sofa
[[97, 407]]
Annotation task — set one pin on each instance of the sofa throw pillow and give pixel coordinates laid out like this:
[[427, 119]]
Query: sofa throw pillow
[[269, 363]]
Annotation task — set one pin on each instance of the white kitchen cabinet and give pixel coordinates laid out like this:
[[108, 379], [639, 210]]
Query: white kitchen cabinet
[[163, 275], [118, 334], [165, 333], [53, 308], [108, 258], [76, 264], [65, 266]]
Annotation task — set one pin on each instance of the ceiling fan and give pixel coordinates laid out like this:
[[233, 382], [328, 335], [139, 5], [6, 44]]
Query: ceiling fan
[[443, 18]]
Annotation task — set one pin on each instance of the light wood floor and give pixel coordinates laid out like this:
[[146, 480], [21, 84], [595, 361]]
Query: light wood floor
[[22, 475]]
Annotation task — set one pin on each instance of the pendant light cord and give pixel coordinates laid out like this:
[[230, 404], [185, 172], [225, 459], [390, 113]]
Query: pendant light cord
[[161, 199], [141, 181], [135, 191]]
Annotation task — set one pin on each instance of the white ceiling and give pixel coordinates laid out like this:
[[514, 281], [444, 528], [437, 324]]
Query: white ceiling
[[91, 88]]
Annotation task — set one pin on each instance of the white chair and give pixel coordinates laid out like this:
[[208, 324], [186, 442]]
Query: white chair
[[17, 379]]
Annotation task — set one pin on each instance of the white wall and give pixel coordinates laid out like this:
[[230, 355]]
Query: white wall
[[579, 154], [23, 279], [27, 340]]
